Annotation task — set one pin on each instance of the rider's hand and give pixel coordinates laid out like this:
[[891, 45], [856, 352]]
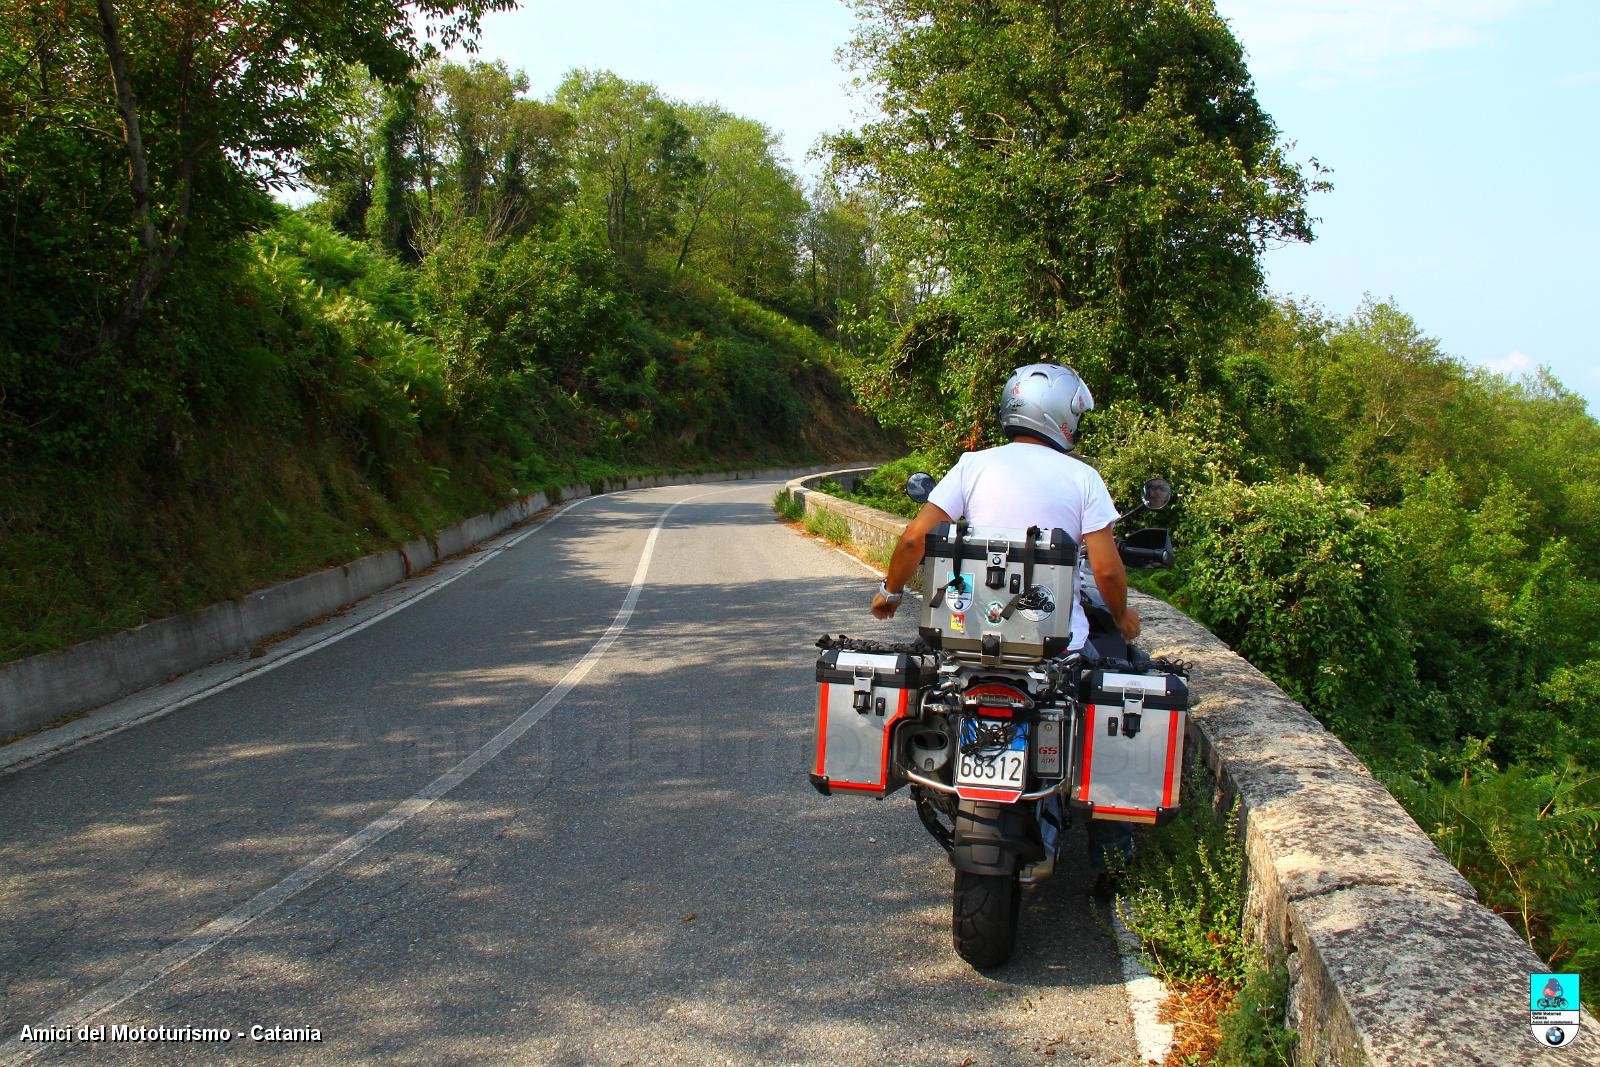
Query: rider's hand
[[1128, 623], [884, 608]]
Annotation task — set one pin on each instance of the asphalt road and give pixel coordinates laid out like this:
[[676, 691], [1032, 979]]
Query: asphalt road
[[641, 875]]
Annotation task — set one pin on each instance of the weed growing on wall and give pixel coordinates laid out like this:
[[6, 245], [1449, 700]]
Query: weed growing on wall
[[828, 526]]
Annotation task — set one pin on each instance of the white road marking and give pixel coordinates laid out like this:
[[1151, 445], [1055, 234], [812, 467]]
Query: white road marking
[[214, 933], [26, 756], [1146, 993]]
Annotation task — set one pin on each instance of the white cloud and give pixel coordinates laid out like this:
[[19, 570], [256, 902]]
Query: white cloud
[[1517, 363], [1326, 43]]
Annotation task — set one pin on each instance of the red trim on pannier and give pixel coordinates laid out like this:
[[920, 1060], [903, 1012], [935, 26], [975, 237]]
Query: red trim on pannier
[[1172, 752], [888, 729], [822, 729], [1127, 814], [1088, 751]]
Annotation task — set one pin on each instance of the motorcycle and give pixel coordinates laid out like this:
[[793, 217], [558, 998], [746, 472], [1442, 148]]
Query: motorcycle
[[1000, 732]]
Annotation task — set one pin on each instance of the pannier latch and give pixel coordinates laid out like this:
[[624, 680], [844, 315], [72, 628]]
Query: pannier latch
[[1132, 712], [997, 570], [991, 648], [861, 700]]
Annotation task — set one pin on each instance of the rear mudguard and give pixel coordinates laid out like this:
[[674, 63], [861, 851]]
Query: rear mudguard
[[994, 838]]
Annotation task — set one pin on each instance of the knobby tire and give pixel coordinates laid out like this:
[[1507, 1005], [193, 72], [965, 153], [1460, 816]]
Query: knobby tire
[[983, 921]]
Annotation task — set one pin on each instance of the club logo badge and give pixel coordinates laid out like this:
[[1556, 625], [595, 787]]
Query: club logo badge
[[961, 597], [1554, 1007]]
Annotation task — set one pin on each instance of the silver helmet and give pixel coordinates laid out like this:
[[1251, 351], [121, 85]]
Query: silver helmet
[[1045, 400]]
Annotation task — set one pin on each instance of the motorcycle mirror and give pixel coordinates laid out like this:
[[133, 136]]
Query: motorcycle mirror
[[1155, 494], [920, 486]]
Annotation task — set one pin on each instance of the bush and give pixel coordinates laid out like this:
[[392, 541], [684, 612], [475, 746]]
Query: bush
[[1299, 579], [1193, 448], [885, 488], [1185, 895], [1251, 1030], [789, 506], [1184, 898], [1525, 839], [828, 526]]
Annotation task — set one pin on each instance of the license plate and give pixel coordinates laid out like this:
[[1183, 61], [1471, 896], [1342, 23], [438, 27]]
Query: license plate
[[1006, 769]]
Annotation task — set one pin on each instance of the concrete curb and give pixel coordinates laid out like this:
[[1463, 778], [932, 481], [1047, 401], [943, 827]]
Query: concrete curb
[[1392, 959], [43, 689]]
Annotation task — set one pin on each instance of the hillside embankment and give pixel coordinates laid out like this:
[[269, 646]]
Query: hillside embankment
[[330, 424]]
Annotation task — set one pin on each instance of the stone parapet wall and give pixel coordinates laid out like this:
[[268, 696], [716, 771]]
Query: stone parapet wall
[[1391, 957]]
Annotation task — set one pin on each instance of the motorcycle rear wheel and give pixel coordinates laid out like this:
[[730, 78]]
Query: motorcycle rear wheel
[[983, 920]]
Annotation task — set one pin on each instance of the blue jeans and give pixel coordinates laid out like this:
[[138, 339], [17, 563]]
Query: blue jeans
[[1105, 838]]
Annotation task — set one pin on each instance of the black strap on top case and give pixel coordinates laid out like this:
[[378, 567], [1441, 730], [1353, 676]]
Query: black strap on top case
[[955, 575]]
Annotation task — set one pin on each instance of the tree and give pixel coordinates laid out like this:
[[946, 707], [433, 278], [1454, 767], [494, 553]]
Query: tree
[[856, 290], [507, 154], [343, 162], [741, 212], [633, 157], [1090, 180], [390, 214], [201, 100]]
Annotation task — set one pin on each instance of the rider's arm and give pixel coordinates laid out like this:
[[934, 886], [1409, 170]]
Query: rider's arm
[[1112, 579], [907, 554]]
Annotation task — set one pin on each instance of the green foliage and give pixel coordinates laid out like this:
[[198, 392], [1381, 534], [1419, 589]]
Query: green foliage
[[885, 487], [828, 526], [1090, 181], [789, 506], [318, 399], [146, 138], [1526, 841], [739, 216], [1194, 446], [1184, 896], [388, 219], [1252, 1028], [1299, 579]]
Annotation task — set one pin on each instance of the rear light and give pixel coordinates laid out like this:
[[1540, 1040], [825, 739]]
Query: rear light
[[996, 701]]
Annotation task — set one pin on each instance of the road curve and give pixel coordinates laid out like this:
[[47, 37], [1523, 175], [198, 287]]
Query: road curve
[[555, 812]]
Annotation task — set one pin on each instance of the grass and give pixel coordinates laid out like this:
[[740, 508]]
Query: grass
[[791, 508]]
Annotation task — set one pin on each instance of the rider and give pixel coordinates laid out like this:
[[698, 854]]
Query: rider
[[1032, 481]]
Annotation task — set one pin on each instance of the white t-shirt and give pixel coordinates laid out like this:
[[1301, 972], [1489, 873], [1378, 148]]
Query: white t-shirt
[[1020, 485]]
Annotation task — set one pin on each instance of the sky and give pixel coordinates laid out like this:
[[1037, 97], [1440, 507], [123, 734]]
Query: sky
[[1461, 134]]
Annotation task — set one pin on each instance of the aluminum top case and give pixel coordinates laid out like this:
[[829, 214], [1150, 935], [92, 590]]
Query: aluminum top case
[[860, 697], [995, 596], [1130, 737]]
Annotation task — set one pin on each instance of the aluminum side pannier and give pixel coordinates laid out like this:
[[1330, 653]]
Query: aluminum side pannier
[[1130, 740], [860, 697]]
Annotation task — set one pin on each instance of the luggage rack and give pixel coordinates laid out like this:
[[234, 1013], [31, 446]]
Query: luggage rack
[[843, 643]]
